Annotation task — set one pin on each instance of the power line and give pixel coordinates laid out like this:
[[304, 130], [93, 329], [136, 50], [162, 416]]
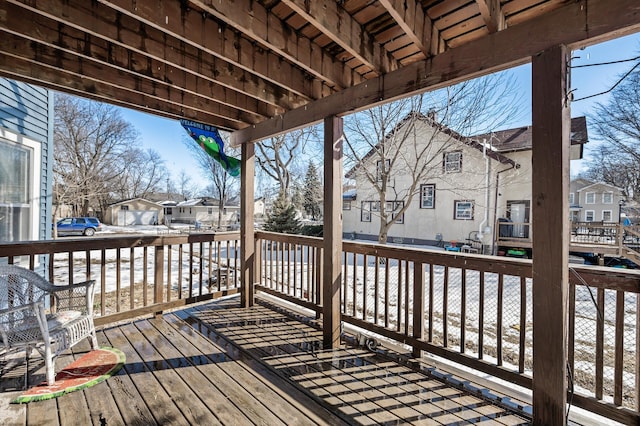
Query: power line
[[612, 87], [606, 63]]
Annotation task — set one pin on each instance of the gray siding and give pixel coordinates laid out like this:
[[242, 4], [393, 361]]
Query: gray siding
[[28, 110]]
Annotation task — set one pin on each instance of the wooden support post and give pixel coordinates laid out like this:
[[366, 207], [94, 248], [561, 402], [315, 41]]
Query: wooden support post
[[332, 244], [551, 144], [247, 234], [418, 305]]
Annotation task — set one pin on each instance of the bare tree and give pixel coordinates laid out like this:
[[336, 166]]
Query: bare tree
[[145, 174], [186, 187], [616, 160], [280, 158], [91, 141], [221, 184], [385, 143]]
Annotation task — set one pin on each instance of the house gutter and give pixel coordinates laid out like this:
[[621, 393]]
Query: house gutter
[[487, 167]]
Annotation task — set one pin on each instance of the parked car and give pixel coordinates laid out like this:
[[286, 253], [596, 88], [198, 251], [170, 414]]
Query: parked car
[[78, 226]]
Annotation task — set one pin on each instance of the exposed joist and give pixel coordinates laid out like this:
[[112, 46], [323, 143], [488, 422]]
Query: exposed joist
[[130, 34], [345, 31], [52, 58], [492, 14], [31, 72], [111, 58], [410, 16], [251, 19], [575, 24]]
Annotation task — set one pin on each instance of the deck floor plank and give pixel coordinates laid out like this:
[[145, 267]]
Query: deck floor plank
[[216, 363], [210, 372], [160, 405], [285, 401]]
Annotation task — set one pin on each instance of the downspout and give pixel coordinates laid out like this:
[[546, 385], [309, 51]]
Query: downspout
[[487, 166], [495, 205]]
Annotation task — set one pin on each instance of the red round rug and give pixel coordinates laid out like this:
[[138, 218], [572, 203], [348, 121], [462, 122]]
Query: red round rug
[[88, 370]]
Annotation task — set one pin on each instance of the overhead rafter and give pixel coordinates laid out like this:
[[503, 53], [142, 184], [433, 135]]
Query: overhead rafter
[[345, 31], [570, 24], [492, 14], [410, 16], [253, 20]]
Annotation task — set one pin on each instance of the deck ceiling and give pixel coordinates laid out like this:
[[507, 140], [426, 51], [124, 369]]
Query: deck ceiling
[[259, 65]]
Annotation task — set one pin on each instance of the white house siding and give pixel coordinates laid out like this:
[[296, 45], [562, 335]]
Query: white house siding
[[421, 225], [593, 207], [26, 125]]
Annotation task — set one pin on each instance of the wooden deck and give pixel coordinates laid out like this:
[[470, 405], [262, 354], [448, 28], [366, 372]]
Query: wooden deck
[[219, 364]]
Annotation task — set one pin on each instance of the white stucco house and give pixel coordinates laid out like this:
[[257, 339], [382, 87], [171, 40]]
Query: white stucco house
[[473, 183]]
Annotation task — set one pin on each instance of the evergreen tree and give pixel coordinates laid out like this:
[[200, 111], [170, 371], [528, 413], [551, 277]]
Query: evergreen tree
[[282, 218], [312, 192]]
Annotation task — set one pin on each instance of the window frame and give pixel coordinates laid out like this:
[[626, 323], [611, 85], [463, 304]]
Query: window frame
[[432, 187], [610, 193], [447, 163], [589, 212], [610, 215], [572, 198], [587, 195], [456, 205], [346, 204], [365, 211], [379, 171]]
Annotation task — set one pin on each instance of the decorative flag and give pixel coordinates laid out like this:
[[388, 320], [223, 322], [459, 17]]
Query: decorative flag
[[209, 139]]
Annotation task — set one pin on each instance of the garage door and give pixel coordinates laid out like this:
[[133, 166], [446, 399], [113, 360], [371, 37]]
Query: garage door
[[136, 217]]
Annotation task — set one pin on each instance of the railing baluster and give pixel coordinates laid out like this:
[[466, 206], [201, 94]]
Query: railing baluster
[[523, 324], [463, 308], [418, 306], [600, 344], [132, 269], [118, 277], [376, 289], [179, 271], [619, 349], [169, 277], [190, 269], [365, 274], [103, 281], [445, 306], [499, 319], [399, 298], [386, 292], [431, 296], [481, 315], [406, 297], [145, 276], [355, 283], [200, 267]]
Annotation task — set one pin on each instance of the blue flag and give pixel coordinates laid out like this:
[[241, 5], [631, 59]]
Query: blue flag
[[210, 140]]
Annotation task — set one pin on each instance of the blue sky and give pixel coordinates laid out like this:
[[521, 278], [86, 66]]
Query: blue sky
[[166, 136]]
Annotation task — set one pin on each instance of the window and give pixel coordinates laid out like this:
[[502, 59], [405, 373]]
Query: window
[[17, 188], [590, 198], [452, 162], [124, 207], [463, 210], [397, 206], [380, 170], [606, 216], [168, 210], [375, 206], [365, 211], [209, 210], [571, 198], [428, 196], [346, 205], [589, 215], [607, 198]]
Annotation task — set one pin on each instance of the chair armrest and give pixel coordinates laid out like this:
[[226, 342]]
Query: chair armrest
[[77, 296]]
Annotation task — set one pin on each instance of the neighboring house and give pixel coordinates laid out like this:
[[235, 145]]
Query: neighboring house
[[594, 201], [26, 161], [260, 207], [205, 211], [479, 180], [136, 211]]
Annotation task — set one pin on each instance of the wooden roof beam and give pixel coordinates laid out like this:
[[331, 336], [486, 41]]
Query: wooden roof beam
[[342, 29], [410, 16], [34, 72], [223, 41], [257, 23], [129, 33], [492, 14], [575, 24]]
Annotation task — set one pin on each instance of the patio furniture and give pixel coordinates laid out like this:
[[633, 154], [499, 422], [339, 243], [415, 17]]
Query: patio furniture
[[28, 321]]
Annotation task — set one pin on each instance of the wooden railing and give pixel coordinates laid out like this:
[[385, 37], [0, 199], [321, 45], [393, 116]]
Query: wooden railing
[[476, 311], [470, 309], [137, 275]]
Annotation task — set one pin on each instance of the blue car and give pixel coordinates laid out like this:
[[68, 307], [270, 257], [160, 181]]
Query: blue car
[[78, 226]]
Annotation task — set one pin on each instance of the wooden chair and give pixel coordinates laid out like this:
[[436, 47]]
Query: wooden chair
[[27, 322]]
